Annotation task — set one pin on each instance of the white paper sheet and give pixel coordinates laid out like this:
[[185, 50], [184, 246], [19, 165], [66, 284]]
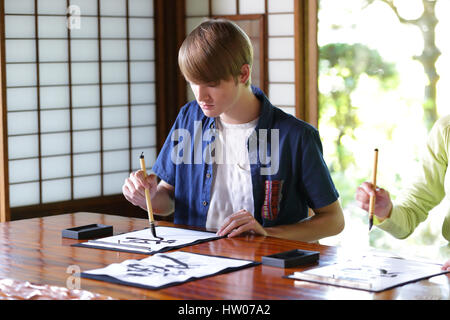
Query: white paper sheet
[[370, 273], [142, 241], [165, 269]]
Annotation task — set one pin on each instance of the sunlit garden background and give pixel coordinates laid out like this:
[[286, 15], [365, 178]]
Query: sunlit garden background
[[378, 89]]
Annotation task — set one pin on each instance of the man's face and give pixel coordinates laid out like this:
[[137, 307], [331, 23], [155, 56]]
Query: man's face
[[216, 98]]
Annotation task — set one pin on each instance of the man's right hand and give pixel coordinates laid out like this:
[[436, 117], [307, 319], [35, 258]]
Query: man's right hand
[[383, 203], [134, 188]]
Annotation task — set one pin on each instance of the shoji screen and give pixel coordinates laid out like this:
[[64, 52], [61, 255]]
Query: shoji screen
[[280, 47], [80, 96]]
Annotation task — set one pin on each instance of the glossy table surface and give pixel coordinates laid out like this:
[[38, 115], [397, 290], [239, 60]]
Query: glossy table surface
[[34, 250]]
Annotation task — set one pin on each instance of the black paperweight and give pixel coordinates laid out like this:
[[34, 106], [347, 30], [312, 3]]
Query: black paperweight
[[90, 231], [292, 258]]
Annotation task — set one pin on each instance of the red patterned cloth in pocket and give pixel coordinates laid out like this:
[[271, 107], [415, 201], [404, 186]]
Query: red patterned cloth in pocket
[[272, 199]]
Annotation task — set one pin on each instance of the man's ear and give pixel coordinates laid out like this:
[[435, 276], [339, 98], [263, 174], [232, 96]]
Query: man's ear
[[246, 71]]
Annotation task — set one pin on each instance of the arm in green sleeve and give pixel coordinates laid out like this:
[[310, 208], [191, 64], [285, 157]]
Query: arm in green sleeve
[[413, 205]]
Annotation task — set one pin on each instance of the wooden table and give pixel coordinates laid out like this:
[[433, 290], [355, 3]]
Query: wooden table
[[33, 250]]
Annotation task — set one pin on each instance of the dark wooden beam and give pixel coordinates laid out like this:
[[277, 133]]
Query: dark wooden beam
[[4, 175], [170, 31], [115, 204], [306, 60]]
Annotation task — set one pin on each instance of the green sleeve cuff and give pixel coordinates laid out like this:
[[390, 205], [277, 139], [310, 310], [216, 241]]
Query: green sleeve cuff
[[377, 221], [396, 224]]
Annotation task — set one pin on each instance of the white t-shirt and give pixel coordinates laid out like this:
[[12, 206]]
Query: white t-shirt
[[231, 188]]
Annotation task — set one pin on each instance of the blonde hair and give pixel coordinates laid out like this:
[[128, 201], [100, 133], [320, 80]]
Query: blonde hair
[[215, 50]]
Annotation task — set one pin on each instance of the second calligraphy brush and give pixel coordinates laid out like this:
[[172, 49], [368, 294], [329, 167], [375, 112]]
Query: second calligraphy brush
[[374, 184], [147, 198]]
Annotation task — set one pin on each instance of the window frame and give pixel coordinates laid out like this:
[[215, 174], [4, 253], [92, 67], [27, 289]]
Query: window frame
[[104, 202]]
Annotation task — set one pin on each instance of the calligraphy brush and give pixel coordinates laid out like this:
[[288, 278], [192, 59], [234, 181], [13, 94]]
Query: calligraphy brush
[[374, 183], [147, 198]]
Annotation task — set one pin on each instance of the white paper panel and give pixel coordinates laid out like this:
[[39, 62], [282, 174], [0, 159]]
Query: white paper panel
[[88, 163], [112, 183], [115, 117], [143, 115], [113, 27], [23, 170], [281, 71], [86, 187], [53, 73], [143, 136], [220, 7], [83, 96], [85, 73], [281, 25], [55, 167], [115, 139], [88, 118], [17, 192], [192, 23], [280, 6], [114, 94], [21, 98], [55, 143], [149, 154], [115, 161], [290, 110], [54, 97], [142, 71], [53, 50], [56, 190], [114, 50], [197, 7], [55, 120], [84, 50], [281, 48], [21, 74], [114, 72], [22, 122], [20, 51], [19, 27], [141, 28], [143, 93], [22, 147], [282, 94], [22, 6], [52, 27], [140, 8], [112, 7], [88, 28], [86, 6], [86, 141], [52, 7], [142, 49], [251, 6]]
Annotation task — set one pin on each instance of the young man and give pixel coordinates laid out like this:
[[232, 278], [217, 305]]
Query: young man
[[232, 161]]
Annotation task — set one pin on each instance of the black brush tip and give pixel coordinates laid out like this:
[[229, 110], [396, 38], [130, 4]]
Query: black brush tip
[[152, 228]]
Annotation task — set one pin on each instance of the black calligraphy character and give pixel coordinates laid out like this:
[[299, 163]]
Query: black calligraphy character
[[139, 270], [176, 269], [147, 241]]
